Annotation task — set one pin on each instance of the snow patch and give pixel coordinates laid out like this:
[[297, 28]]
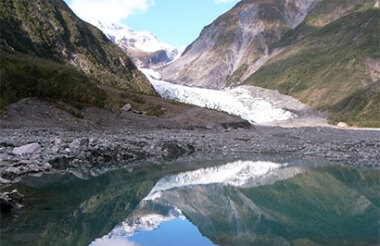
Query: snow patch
[[240, 101]]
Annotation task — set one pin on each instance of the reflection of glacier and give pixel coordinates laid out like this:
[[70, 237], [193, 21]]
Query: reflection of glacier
[[254, 104], [239, 173], [169, 196]]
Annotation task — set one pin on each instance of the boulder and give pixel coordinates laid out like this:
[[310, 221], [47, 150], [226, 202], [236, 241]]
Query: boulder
[[127, 107], [9, 201], [11, 173], [342, 125], [27, 149]]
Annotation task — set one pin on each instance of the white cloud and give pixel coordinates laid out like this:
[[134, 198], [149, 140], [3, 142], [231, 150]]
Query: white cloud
[[224, 1], [108, 10]]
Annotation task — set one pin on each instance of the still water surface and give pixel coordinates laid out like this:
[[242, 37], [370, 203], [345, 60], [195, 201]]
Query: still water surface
[[291, 202]]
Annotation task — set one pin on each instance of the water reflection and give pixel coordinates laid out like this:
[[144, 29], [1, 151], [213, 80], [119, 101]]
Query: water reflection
[[238, 203], [261, 203]]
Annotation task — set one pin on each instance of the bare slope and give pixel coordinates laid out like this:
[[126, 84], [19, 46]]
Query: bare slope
[[232, 45]]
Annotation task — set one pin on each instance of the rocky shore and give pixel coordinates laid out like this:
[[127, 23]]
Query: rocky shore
[[33, 152]]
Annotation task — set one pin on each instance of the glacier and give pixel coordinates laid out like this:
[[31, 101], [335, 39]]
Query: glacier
[[256, 105]]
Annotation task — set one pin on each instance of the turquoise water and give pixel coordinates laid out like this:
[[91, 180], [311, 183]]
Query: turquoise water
[[240, 203]]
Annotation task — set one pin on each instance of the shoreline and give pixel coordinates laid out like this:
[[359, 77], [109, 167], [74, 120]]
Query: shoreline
[[64, 150]]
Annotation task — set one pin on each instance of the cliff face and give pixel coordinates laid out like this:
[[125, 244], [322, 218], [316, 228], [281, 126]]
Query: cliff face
[[234, 45], [49, 29]]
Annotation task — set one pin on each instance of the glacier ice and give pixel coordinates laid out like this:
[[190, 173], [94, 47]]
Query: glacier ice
[[242, 101]]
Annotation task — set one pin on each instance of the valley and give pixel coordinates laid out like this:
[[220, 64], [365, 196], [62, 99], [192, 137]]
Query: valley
[[262, 131]]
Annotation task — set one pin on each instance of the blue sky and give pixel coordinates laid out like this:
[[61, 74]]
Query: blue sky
[[176, 22]]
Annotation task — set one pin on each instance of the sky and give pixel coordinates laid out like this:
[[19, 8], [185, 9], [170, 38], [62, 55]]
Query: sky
[[175, 22]]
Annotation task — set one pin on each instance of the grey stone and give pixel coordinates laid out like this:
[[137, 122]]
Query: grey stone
[[27, 149], [11, 173], [127, 107]]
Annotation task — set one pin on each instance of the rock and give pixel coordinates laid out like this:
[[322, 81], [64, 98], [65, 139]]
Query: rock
[[173, 150], [6, 144], [11, 173], [342, 125], [127, 107], [4, 181], [78, 143], [84, 142], [61, 162], [27, 149], [46, 167], [10, 201], [16, 197], [137, 112]]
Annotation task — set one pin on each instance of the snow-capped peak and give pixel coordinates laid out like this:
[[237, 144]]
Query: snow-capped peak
[[139, 40], [139, 44]]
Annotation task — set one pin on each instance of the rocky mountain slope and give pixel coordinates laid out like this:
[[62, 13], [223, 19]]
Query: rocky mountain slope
[[50, 30], [237, 42], [319, 51], [142, 47]]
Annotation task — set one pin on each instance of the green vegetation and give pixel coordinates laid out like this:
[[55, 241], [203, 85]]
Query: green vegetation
[[325, 64], [155, 110], [362, 108], [25, 76], [49, 29]]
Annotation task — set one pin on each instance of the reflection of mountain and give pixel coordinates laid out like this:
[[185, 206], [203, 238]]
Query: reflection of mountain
[[326, 206], [68, 211]]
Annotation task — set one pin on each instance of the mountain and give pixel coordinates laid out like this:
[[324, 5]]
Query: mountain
[[331, 63], [237, 42], [321, 52], [45, 40], [142, 47]]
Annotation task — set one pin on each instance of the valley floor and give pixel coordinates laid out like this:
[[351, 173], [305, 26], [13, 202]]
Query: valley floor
[[63, 143]]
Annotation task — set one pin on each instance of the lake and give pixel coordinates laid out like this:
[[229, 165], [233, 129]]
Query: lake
[[238, 202]]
